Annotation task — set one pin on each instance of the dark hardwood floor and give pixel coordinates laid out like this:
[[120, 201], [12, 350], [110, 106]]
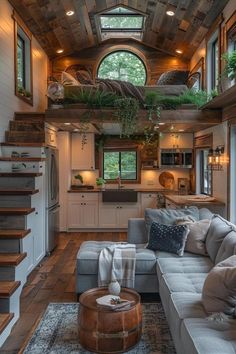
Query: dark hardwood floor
[[52, 281]]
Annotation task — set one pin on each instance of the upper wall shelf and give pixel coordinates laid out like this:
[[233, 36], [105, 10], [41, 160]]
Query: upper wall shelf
[[223, 100]]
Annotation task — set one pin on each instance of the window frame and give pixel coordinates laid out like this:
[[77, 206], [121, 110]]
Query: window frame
[[19, 26], [214, 60], [127, 51], [120, 150], [121, 29], [202, 175], [19, 38]]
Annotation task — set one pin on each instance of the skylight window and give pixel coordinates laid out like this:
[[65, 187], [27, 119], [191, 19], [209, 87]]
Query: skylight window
[[121, 22]]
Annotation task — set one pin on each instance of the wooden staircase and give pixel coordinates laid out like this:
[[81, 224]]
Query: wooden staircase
[[18, 208]]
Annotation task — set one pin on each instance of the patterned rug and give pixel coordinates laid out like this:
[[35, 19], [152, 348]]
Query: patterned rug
[[57, 332]]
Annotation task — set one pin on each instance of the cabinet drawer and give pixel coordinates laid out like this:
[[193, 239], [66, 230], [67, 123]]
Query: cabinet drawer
[[80, 197], [145, 196]]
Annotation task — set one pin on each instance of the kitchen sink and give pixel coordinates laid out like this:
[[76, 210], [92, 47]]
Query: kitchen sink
[[120, 195]]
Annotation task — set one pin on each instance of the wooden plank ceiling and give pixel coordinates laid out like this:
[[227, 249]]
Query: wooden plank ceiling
[[48, 21]]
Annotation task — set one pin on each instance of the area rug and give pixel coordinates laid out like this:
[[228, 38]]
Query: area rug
[[57, 332]]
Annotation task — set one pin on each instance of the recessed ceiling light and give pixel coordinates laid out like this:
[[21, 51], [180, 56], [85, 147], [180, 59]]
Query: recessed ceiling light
[[181, 130], [70, 13], [75, 130], [59, 51], [179, 51], [156, 127], [162, 123], [67, 123], [170, 13]]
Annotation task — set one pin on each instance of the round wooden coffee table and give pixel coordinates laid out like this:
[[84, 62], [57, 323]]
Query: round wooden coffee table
[[102, 330]]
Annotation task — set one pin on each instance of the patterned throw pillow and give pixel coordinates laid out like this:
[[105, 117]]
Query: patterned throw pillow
[[168, 238], [174, 77], [68, 79]]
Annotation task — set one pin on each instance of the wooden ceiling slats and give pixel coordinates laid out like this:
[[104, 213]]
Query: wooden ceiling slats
[[47, 20]]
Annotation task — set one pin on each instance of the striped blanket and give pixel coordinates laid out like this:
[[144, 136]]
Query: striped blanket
[[117, 262]]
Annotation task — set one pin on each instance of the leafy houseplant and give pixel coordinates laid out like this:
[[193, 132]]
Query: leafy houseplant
[[100, 182], [79, 178], [230, 67]]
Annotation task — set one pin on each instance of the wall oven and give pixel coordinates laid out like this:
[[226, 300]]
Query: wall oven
[[176, 158]]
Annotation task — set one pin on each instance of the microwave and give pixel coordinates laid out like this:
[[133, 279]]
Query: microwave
[[176, 158]]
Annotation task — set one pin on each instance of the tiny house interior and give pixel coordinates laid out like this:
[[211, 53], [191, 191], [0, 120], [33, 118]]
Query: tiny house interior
[[108, 108]]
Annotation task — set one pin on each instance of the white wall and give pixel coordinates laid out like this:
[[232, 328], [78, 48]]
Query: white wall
[[9, 103]]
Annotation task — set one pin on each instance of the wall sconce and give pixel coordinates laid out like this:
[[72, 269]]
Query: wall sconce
[[215, 158]]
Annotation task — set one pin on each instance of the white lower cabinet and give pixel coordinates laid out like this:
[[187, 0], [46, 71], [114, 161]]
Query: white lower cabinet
[[82, 210], [116, 215]]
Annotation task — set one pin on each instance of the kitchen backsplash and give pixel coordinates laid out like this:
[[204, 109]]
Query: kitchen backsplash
[[149, 178]]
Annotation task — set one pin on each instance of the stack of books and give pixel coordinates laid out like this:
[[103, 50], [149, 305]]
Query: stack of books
[[114, 303]]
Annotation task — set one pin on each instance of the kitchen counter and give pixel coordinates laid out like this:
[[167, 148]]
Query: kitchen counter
[[182, 200], [141, 190]]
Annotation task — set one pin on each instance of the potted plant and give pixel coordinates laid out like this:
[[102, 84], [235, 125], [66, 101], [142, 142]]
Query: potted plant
[[100, 182], [229, 73], [79, 179]]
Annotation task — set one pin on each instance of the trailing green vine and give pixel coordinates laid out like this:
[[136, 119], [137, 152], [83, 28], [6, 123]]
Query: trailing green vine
[[127, 115]]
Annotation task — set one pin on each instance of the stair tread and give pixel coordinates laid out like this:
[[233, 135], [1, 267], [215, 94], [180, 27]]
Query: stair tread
[[18, 191], [23, 159], [5, 319], [7, 288], [20, 174], [12, 234], [16, 211], [11, 259], [23, 144]]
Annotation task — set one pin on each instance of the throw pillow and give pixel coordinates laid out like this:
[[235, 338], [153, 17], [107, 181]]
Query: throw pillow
[[174, 77], [84, 77], [218, 229], [168, 238], [197, 235], [219, 290], [168, 216], [68, 79]]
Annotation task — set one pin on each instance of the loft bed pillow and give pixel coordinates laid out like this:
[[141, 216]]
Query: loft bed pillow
[[197, 235], [219, 289], [84, 77], [68, 80], [168, 238], [174, 77]]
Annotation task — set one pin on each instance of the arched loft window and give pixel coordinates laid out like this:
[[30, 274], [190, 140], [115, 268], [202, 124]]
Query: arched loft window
[[123, 65]]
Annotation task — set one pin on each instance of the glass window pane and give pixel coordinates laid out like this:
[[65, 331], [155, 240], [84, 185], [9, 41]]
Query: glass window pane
[[123, 65], [111, 165], [121, 22], [20, 62], [128, 165]]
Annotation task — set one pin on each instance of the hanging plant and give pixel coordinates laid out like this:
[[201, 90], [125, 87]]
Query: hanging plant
[[127, 114]]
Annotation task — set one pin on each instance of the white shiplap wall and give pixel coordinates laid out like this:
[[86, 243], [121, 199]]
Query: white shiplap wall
[[9, 103]]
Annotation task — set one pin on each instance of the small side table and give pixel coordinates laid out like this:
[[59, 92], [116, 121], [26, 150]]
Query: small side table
[[102, 330]]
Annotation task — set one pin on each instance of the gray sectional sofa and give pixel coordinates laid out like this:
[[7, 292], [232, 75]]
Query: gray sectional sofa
[[179, 281]]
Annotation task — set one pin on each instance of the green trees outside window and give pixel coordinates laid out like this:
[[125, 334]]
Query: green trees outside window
[[123, 65], [120, 163]]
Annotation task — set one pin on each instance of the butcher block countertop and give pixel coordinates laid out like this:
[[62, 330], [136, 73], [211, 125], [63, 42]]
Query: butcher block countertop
[[182, 200]]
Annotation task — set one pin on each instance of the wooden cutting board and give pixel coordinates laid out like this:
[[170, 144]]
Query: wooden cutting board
[[167, 180]]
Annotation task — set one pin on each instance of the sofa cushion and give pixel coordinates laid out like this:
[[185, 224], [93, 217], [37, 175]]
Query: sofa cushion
[[168, 216], [205, 213], [179, 283], [87, 258], [227, 248], [200, 336], [197, 235], [219, 290], [184, 265], [218, 229], [170, 238], [173, 77]]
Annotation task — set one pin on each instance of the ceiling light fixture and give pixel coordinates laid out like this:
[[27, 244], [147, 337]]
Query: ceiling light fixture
[[67, 123], [70, 13], [59, 51], [76, 130], [179, 51], [170, 13], [181, 130], [162, 123]]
